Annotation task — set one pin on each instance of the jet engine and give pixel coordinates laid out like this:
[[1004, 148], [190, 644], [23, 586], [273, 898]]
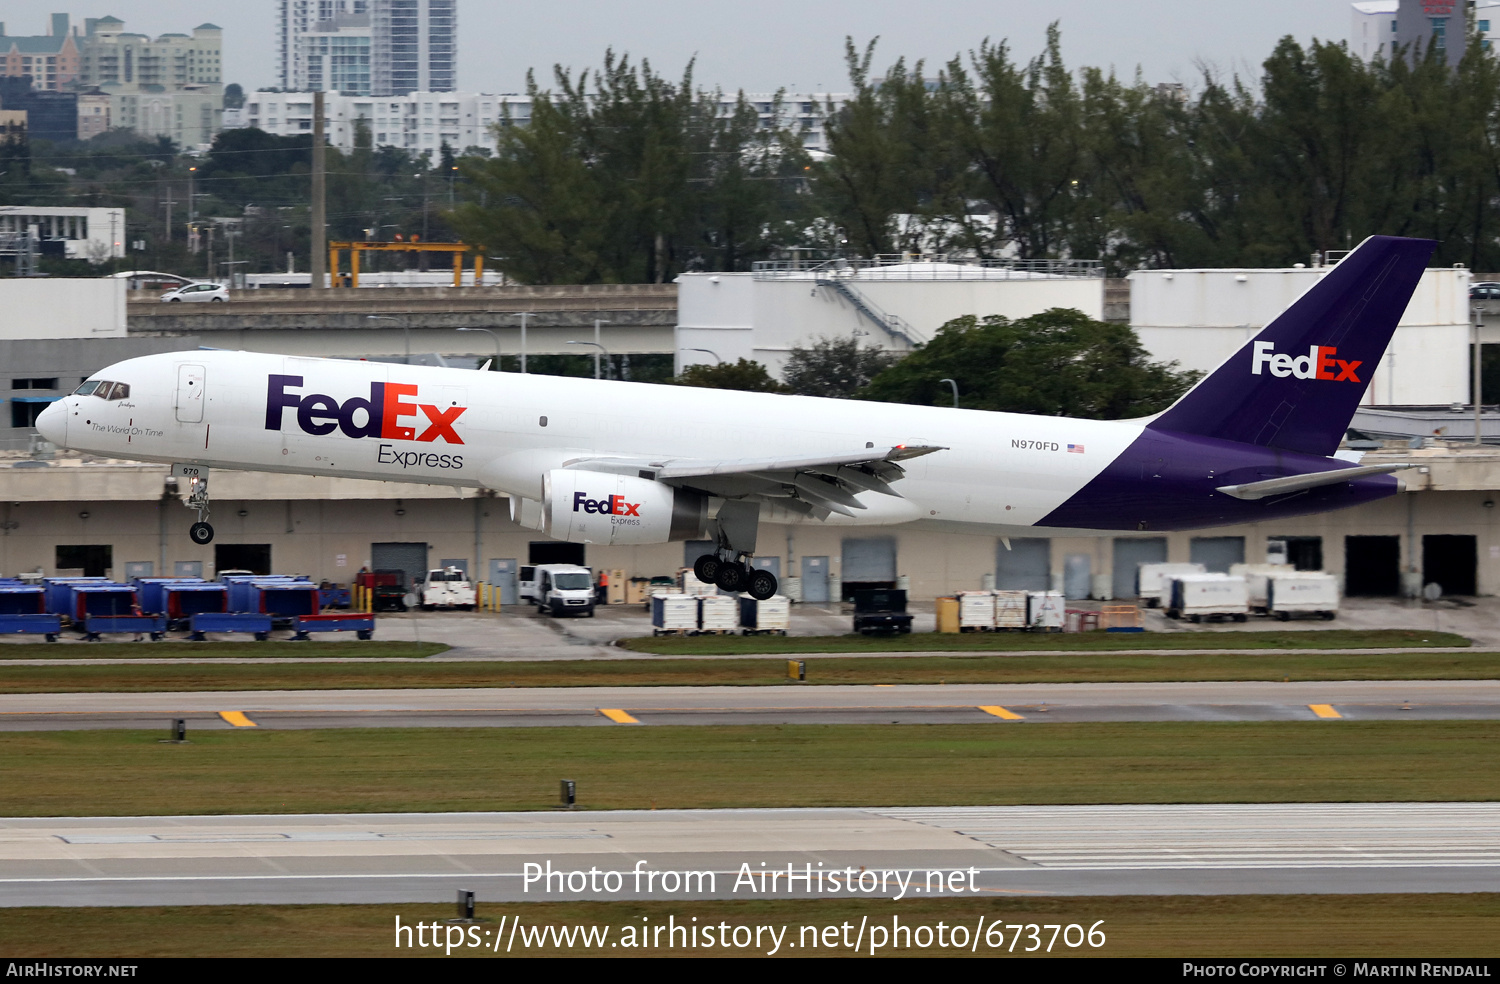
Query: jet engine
[[598, 507]]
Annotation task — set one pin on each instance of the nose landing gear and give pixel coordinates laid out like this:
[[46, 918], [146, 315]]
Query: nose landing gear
[[197, 477]]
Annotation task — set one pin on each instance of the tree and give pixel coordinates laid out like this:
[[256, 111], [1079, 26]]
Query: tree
[[744, 374], [834, 367], [1059, 362]]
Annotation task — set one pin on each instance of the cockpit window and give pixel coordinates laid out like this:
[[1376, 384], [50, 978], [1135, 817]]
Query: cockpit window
[[104, 389]]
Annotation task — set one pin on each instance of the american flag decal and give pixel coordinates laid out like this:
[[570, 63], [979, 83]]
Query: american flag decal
[[1075, 448]]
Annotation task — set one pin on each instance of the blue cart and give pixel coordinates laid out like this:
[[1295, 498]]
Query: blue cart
[[362, 624], [253, 622], [32, 624], [96, 625]]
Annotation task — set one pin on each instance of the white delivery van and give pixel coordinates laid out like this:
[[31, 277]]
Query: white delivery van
[[1255, 576], [1149, 586], [559, 589], [448, 587], [1212, 596], [1303, 593]]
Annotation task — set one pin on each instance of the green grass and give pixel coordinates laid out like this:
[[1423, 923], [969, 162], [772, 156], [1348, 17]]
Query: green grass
[[1459, 664], [87, 773], [200, 650], [1360, 926], [1060, 642]]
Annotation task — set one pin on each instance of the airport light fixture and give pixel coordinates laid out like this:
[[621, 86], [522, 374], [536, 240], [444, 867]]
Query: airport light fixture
[[493, 336], [405, 330], [601, 348], [955, 391]]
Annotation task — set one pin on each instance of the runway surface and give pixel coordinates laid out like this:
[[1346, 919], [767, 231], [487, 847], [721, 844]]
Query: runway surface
[[644, 706], [1072, 850]]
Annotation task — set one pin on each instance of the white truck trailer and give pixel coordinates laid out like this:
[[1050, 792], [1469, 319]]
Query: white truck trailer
[[1149, 584], [1196, 597], [1302, 593]]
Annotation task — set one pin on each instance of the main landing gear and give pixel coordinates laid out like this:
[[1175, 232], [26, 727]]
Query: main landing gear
[[729, 565]]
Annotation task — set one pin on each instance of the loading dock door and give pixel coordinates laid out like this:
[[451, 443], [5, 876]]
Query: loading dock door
[[870, 562], [1077, 574], [1372, 566], [1217, 553], [1130, 554], [1026, 566], [693, 549], [555, 552], [1450, 561], [408, 557]]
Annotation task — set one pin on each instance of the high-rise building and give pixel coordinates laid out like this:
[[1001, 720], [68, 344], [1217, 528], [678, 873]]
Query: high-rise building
[[367, 47], [169, 86], [1379, 27], [50, 59]]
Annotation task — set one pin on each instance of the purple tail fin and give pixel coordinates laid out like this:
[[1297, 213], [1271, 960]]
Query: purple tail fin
[[1295, 385]]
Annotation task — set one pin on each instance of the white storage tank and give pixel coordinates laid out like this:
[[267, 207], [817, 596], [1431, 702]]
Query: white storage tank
[[1303, 593], [1212, 596], [1045, 610]]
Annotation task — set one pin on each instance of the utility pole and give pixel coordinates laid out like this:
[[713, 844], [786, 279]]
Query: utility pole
[[1478, 378], [319, 203], [524, 316]]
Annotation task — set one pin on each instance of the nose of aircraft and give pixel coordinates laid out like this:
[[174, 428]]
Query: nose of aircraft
[[53, 423]]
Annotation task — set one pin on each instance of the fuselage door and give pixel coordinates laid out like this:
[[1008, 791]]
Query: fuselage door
[[189, 401]]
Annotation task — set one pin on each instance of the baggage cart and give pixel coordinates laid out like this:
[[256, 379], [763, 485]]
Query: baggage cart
[[238, 622], [1215, 597], [768, 616], [96, 625], [673, 614], [31, 623], [976, 611], [362, 624], [1303, 593], [1150, 587]]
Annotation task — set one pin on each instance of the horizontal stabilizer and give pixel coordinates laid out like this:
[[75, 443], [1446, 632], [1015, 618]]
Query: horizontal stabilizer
[[1300, 483]]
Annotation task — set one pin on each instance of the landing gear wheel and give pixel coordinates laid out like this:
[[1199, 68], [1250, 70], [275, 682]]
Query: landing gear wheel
[[732, 577], [762, 585], [706, 568], [201, 533]]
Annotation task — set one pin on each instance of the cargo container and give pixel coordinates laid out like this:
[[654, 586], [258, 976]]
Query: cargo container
[[690, 584], [1255, 576], [1196, 597], [1010, 609], [767, 616], [1045, 611], [100, 600], [280, 597], [59, 594], [718, 613], [976, 611], [179, 601], [1149, 586], [1303, 593], [673, 613], [21, 611]]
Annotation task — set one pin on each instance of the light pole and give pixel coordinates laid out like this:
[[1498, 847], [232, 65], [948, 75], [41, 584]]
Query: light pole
[[597, 323], [717, 360], [1478, 378], [601, 348], [405, 330], [955, 391], [493, 336], [524, 315]]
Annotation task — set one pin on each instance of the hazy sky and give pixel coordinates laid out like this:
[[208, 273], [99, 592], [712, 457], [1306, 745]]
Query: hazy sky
[[761, 45]]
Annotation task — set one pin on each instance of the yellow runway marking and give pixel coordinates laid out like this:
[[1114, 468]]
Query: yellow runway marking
[[1001, 712], [1324, 710], [237, 718], [617, 716]]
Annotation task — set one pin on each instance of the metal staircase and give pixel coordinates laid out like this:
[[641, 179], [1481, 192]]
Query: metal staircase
[[893, 324]]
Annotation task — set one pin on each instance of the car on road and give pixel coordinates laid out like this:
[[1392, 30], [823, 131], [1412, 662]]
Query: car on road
[[197, 292], [1485, 290]]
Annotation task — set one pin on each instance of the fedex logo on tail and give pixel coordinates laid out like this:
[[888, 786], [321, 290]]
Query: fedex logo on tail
[[1318, 363], [383, 415]]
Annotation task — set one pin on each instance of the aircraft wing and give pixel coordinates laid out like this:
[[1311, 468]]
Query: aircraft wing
[[1313, 480], [815, 485]]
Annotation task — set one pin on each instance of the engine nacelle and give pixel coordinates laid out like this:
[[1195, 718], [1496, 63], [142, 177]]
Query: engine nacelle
[[598, 507]]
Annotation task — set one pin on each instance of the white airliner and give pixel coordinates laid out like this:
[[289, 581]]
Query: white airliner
[[605, 462]]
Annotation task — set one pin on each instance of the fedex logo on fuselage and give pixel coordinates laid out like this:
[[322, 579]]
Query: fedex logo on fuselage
[[1318, 363], [380, 416], [614, 505]]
